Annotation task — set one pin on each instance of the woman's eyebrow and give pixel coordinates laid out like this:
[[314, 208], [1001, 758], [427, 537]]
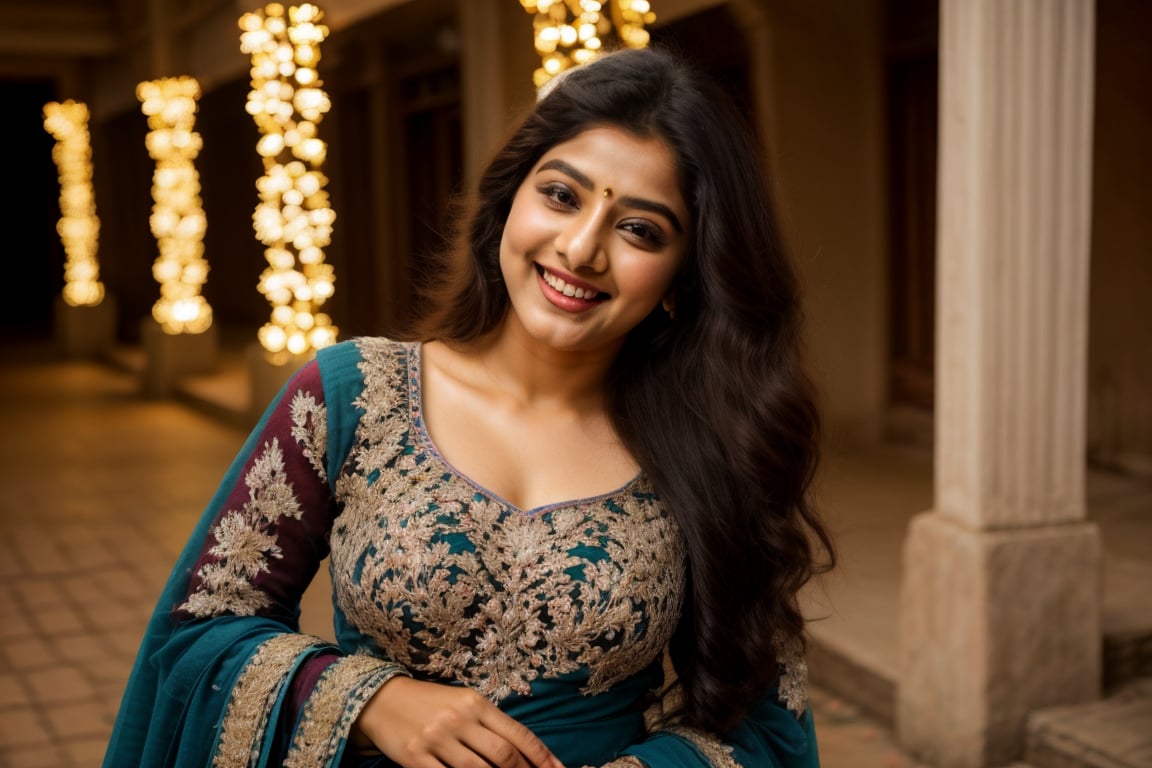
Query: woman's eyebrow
[[653, 207], [557, 164]]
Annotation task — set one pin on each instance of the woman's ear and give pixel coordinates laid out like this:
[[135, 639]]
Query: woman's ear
[[669, 304]]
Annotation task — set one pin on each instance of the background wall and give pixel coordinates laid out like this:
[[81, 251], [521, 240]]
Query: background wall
[[1120, 320], [815, 72], [826, 66]]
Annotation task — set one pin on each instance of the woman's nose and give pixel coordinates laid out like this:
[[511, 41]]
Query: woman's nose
[[581, 244]]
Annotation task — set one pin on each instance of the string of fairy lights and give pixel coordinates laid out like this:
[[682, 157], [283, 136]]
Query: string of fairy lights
[[571, 32], [293, 219], [79, 228], [178, 221]]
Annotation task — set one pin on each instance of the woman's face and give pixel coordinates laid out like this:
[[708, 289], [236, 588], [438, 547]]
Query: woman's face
[[596, 233]]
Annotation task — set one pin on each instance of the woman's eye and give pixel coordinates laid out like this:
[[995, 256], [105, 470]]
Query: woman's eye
[[560, 195], [644, 232]]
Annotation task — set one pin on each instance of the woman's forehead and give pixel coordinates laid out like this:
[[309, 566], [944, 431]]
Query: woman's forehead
[[610, 150]]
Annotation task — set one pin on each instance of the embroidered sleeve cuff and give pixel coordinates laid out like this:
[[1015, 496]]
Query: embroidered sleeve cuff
[[255, 694], [341, 692], [625, 761]]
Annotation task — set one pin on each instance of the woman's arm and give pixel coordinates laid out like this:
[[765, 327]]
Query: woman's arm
[[223, 670]]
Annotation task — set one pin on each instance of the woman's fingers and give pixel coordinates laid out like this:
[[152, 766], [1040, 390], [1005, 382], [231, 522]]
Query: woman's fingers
[[460, 739], [489, 734], [476, 753], [520, 738]]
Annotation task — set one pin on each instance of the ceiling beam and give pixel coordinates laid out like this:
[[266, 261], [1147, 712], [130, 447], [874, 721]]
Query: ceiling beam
[[51, 29]]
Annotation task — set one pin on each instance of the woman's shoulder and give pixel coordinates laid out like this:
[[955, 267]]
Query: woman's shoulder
[[353, 353], [349, 367]]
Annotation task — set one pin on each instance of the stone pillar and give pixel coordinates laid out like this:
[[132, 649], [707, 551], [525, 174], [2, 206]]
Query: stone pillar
[[481, 82], [267, 375], [164, 53], [85, 332], [170, 356], [1000, 606], [757, 27]]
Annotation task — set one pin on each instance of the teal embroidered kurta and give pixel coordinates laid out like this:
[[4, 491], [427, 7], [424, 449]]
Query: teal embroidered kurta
[[560, 615]]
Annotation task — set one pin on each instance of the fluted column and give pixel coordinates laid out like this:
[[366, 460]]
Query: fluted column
[[1000, 606]]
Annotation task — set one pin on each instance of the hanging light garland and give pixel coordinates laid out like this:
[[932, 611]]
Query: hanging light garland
[[178, 222], [78, 227], [571, 32], [293, 219], [631, 18]]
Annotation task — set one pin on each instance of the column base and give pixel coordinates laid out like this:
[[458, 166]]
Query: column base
[[85, 332], [170, 356], [268, 373], [994, 624]]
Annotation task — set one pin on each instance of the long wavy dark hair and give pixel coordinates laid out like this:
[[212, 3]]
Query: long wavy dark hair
[[714, 404]]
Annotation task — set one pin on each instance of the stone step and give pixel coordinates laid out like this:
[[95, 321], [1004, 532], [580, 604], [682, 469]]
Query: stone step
[[1127, 658], [854, 680], [1115, 732]]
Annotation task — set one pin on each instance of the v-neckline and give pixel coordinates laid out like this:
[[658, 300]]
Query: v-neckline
[[415, 382]]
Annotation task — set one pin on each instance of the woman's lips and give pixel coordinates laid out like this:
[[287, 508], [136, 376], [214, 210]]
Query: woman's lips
[[567, 295]]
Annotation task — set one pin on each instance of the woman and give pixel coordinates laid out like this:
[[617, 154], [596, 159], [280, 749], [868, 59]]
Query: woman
[[595, 449]]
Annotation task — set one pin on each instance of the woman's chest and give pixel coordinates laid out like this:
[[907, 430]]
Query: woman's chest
[[455, 584]]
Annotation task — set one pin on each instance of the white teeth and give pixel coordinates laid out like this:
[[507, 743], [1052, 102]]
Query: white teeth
[[567, 289]]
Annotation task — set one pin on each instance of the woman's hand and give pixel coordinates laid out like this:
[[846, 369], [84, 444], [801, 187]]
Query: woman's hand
[[429, 725]]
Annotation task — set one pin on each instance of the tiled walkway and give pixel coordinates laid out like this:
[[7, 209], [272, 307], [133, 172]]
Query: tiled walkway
[[98, 490]]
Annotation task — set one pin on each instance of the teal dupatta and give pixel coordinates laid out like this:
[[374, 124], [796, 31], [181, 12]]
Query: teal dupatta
[[183, 675]]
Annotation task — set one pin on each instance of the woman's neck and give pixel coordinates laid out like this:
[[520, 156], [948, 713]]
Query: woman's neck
[[536, 374]]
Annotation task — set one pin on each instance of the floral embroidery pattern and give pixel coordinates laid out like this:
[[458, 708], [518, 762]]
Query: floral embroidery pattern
[[793, 688], [245, 540], [457, 585], [624, 761], [716, 752], [310, 430]]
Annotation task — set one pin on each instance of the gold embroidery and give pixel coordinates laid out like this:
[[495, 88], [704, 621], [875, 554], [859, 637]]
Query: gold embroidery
[[716, 752], [456, 585], [245, 540], [341, 692], [793, 686], [310, 430], [253, 697], [624, 761], [380, 432], [668, 701]]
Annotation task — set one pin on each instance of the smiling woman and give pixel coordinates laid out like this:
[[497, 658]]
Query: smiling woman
[[582, 269], [591, 455]]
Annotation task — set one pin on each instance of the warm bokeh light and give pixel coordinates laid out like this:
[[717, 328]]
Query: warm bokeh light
[[79, 228], [177, 220], [570, 32], [293, 219]]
